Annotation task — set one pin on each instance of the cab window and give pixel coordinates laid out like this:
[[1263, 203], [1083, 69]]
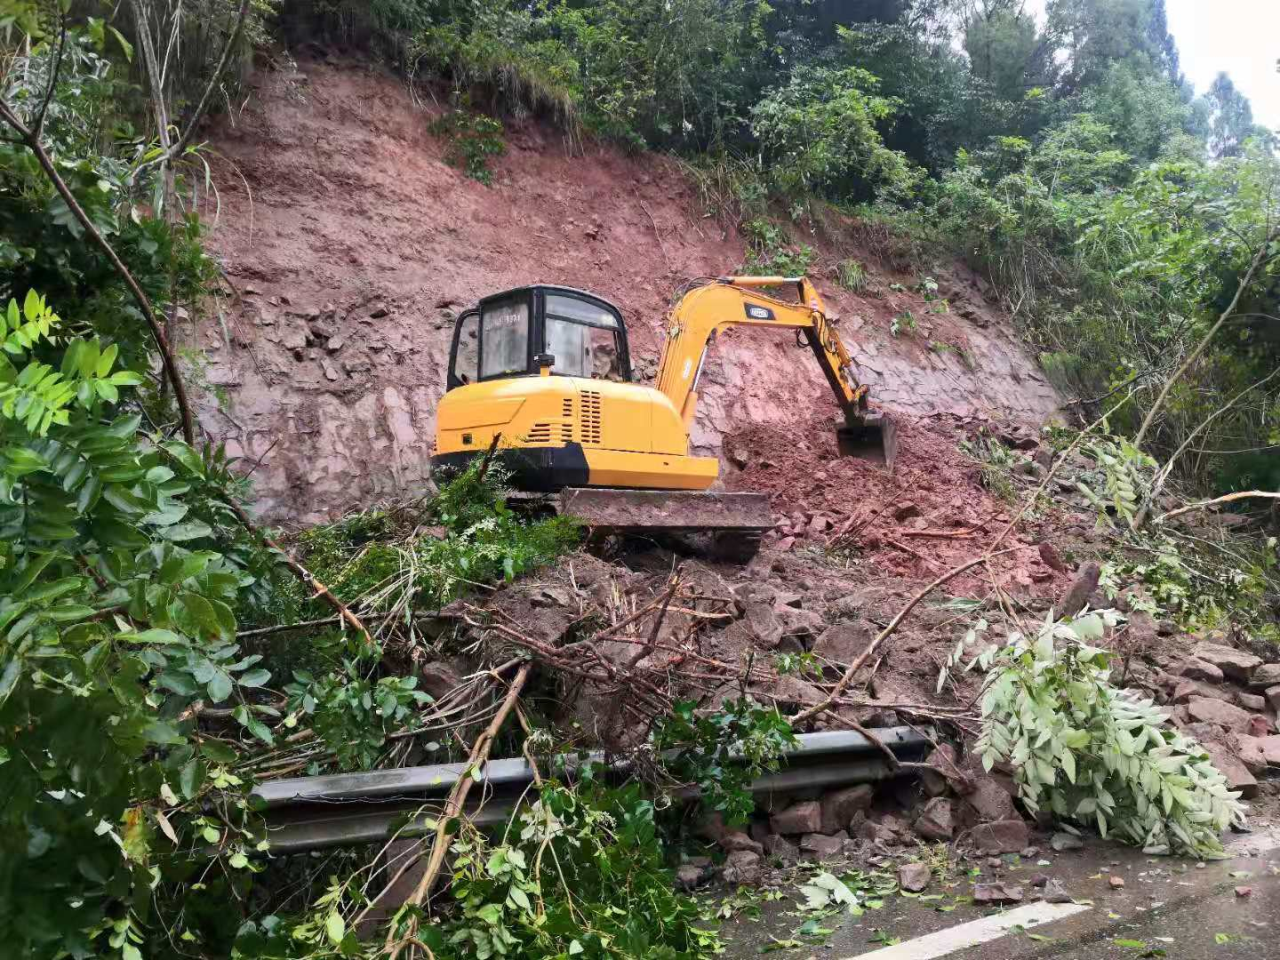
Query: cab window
[[583, 337], [466, 351], [504, 338]]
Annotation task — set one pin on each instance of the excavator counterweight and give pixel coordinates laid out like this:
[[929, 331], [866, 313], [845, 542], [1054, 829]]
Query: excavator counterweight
[[545, 373]]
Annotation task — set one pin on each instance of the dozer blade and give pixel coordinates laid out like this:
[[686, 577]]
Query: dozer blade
[[734, 521], [872, 437]]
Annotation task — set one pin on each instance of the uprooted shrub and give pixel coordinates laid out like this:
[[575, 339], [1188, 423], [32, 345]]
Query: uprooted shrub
[[1091, 753]]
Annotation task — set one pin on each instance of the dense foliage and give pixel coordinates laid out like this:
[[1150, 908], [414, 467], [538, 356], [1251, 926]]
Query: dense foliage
[[154, 656]]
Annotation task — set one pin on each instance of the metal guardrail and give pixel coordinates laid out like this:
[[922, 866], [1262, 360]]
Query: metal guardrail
[[310, 813]]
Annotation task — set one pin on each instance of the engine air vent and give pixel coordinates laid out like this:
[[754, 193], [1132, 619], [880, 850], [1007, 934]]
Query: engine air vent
[[539, 433], [590, 416]]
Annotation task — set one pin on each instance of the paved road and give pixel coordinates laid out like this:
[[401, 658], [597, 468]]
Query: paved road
[[1189, 912]]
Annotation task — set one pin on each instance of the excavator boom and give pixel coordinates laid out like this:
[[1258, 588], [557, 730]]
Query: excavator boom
[[707, 310]]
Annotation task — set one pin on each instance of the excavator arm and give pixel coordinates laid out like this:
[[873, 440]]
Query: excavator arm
[[739, 301]]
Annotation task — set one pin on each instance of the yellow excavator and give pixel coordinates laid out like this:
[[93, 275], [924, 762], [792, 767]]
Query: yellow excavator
[[543, 374]]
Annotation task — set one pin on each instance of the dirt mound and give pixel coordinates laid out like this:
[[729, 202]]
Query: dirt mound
[[929, 513], [351, 246]]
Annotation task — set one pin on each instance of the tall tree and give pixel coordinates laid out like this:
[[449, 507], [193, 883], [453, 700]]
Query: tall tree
[[1004, 47], [1230, 118], [1096, 34]]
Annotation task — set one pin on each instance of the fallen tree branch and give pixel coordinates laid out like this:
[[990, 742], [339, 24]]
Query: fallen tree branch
[[317, 588], [1243, 495], [457, 796]]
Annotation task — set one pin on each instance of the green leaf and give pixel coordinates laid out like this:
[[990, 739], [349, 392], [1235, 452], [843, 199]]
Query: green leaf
[[125, 46], [106, 360], [254, 678], [335, 927], [219, 688], [191, 778], [181, 532]]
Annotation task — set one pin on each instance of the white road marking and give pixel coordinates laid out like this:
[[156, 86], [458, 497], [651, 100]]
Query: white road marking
[[975, 932], [985, 929]]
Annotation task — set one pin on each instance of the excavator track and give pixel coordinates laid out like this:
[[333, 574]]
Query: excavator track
[[735, 522]]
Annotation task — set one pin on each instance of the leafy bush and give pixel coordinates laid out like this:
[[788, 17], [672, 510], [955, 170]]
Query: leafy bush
[[116, 617], [1086, 751], [770, 251], [821, 133], [723, 752], [472, 140]]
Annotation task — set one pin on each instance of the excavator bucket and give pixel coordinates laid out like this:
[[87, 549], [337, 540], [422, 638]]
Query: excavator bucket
[[870, 437]]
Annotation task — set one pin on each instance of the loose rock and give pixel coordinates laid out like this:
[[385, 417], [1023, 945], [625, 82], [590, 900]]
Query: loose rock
[[1265, 676], [1218, 712], [781, 849], [1002, 836], [824, 847], [1055, 892], [1195, 669], [1062, 841], [1237, 664], [934, 822], [737, 840], [742, 866], [913, 877], [688, 876], [994, 894], [802, 817], [839, 806], [1116, 883]]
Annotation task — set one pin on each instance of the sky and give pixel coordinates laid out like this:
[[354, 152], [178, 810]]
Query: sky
[[1241, 37]]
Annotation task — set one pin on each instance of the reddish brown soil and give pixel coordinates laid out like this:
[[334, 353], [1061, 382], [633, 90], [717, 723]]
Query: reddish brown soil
[[927, 514], [351, 244]]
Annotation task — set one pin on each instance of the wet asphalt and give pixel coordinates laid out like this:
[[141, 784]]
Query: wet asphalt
[[1188, 911]]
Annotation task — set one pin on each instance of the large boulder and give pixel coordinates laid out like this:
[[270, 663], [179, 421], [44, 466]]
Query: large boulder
[[840, 806], [1236, 664], [935, 821], [1003, 836], [1219, 712], [802, 817]]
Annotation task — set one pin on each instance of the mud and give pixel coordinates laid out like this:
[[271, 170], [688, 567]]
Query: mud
[[351, 246]]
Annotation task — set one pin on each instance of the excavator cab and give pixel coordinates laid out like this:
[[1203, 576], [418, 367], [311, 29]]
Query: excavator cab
[[529, 330]]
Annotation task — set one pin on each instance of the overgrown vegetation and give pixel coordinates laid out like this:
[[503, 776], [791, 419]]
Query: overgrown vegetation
[[156, 658]]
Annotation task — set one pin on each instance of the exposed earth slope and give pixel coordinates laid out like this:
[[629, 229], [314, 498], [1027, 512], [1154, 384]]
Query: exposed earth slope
[[351, 244]]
